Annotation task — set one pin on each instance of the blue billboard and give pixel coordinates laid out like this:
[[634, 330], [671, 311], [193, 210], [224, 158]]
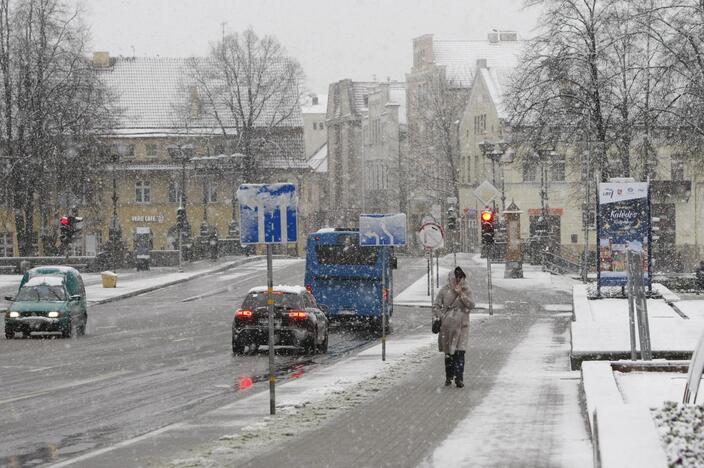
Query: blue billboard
[[623, 223]]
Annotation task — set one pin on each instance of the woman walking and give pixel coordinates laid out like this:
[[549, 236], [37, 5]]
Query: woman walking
[[452, 305]]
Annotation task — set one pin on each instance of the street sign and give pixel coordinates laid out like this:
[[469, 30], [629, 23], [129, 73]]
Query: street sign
[[268, 213], [486, 192], [435, 211], [382, 229], [431, 236]]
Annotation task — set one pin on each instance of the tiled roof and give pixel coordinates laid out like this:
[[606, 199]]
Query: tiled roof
[[497, 80], [460, 57], [149, 91], [360, 89], [319, 161]]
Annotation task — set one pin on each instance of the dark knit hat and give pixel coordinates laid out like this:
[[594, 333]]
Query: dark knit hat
[[459, 273]]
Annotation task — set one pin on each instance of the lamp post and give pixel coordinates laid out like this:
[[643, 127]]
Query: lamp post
[[182, 154], [500, 153], [114, 230]]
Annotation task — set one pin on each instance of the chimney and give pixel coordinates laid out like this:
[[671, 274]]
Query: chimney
[[315, 100], [508, 36], [101, 59], [196, 104], [481, 63], [493, 36]]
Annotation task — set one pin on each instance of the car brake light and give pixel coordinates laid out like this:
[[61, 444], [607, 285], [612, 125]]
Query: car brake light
[[298, 314], [243, 313]]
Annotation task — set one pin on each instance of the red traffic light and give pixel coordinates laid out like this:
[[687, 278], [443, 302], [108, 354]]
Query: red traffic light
[[487, 216], [64, 221]]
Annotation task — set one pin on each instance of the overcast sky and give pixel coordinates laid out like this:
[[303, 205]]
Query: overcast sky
[[332, 39]]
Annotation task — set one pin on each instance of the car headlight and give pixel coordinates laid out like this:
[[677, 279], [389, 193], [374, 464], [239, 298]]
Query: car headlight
[[14, 314], [54, 314]]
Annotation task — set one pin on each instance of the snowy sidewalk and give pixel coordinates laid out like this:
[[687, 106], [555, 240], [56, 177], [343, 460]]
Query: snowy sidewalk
[[601, 327], [134, 284]]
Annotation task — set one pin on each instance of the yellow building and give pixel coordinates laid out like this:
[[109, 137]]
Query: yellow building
[[158, 149]]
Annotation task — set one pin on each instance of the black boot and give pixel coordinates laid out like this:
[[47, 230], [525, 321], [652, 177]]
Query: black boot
[[449, 369], [458, 361]]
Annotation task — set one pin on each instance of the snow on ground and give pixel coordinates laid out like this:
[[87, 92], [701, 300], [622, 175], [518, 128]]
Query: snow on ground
[[306, 403], [511, 406], [417, 293], [662, 386]]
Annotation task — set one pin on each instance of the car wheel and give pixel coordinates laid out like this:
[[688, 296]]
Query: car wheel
[[9, 333], [237, 347], [67, 332], [324, 345], [312, 345]]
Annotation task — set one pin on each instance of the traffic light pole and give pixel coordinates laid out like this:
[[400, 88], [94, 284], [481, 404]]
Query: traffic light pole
[[180, 249], [488, 278]]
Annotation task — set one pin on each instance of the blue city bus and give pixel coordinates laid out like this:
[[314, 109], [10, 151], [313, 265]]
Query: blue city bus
[[347, 278]]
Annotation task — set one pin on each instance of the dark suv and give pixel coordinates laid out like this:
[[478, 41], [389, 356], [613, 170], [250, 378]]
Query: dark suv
[[298, 321]]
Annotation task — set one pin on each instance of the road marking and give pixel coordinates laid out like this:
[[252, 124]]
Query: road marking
[[65, 386]]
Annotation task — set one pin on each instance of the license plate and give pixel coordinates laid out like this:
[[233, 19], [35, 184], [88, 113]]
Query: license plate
[[347, 312], [265, 322]]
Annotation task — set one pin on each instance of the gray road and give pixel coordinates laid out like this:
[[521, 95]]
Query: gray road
[[146, 362]]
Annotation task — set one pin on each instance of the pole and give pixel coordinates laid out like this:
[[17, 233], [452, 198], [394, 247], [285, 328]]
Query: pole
[[432, 283], [437, 271], [488, 278], [430, 260], [270, 306], [383, 304], [180, 248], [631, 299]]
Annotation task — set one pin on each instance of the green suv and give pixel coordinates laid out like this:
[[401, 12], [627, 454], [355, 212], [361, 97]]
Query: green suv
[[50, 299]]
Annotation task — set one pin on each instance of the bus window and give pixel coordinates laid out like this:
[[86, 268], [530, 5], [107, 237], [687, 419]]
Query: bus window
[[345, 255]]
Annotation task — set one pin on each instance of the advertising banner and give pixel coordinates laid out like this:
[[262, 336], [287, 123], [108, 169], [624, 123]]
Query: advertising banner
[[623, 223]]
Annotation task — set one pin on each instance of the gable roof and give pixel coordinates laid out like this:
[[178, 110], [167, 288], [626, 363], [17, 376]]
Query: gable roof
[[460, 57], [149, 91], [497, 80]]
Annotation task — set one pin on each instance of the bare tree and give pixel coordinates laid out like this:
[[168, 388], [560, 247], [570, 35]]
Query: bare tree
[[433, 140], [52, 106], [250, 84]]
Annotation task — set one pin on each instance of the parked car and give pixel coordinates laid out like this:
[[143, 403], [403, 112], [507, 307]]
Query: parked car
[[298, 321], [50, 299]]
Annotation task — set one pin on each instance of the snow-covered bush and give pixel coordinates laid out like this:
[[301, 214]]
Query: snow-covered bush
[[681, 429]]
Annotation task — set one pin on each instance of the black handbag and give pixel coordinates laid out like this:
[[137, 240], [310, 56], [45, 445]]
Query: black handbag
[[437, 323]]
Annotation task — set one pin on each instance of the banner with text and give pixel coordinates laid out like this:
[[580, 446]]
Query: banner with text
[[623, 223]]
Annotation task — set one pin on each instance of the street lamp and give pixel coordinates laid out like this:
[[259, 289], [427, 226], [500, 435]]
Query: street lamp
[[118, 150], [500, 153], [182, 154]]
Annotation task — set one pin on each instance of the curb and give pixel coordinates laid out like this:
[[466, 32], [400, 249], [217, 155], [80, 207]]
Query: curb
[[127, 295]]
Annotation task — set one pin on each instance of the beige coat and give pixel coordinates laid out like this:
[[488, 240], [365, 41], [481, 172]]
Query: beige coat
[[453, 309]]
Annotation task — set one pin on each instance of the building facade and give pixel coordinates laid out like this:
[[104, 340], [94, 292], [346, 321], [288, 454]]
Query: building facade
[[552, 184]]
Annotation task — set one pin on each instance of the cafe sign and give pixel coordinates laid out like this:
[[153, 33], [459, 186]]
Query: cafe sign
[[148, 218]]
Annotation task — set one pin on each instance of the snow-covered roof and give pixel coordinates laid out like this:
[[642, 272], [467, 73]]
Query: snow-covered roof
[[307, 107], [36, 271], [460, 57], [149, 91], [49, 280], [497, 80], [325, 230], [319, 161], [280, 288]]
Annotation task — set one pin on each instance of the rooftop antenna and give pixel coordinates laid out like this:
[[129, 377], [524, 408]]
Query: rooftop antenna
[[132, 46]]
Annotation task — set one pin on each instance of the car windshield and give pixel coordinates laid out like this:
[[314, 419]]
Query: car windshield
[[258, 299], [41, 292]]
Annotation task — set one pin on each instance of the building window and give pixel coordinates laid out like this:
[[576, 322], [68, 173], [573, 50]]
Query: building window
[[479, 124], [558, 168], [211, 191], [676, 169], [7, 248], [125, 152], [174, 192], [150, 149], [315, 126], [142, 192], [530, 171], [321, 125]]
